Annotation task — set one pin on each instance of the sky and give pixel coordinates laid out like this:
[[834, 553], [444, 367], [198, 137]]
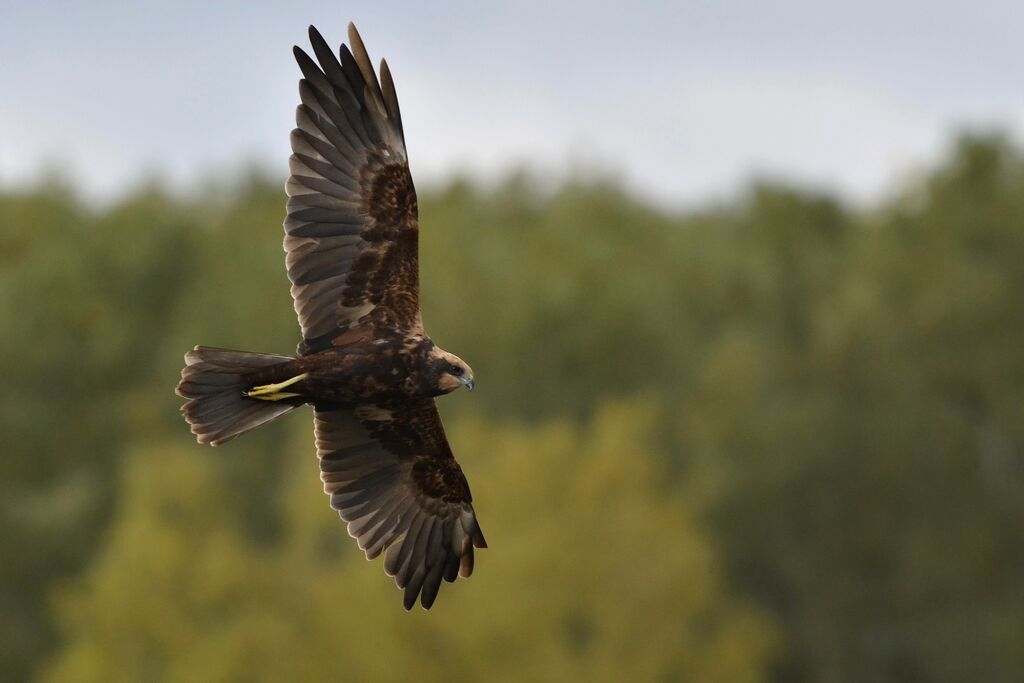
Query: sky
[[683, 102]]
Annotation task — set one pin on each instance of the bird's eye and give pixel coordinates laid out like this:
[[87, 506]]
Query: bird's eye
[[455, 370]]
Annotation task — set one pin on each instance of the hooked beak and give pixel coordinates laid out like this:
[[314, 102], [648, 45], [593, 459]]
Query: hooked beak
[[468, 381]]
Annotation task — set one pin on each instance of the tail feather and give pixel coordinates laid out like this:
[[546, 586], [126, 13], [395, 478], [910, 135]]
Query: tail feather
[[214, 381]]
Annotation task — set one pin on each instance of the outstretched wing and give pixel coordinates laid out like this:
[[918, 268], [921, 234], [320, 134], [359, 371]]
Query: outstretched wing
[[393, 478], [351, 233]]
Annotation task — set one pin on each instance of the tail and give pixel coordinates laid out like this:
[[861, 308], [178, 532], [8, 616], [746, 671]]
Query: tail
[[214, 382]]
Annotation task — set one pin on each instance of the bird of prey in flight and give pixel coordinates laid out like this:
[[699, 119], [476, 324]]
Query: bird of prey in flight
[[365, 363]]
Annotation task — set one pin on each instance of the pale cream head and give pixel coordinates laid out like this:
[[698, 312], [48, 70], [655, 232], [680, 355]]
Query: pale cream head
[[453, 372]]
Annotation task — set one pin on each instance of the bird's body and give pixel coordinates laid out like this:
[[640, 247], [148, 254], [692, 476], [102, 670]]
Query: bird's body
[[365, 363], [393, 368]]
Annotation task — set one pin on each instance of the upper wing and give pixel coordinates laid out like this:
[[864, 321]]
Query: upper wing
[[351, 232], [392, 477]]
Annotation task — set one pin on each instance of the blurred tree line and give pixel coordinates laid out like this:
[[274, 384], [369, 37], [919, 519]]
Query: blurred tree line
[[774, 439]]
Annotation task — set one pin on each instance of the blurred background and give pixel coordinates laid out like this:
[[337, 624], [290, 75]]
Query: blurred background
[[740, 283]]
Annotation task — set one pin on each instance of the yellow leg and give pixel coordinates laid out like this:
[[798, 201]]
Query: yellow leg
[[272, 392], [276, 396]]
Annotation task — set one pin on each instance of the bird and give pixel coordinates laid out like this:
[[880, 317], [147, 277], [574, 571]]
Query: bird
[[365, 363]]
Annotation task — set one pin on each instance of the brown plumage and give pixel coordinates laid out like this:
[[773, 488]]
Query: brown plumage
[[365, 363]]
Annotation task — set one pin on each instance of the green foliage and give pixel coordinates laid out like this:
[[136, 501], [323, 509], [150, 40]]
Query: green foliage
[[600, 577], [777, 438], [865, 440]]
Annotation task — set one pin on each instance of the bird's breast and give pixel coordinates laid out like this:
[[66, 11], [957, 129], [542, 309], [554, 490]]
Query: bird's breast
[[358, 377]]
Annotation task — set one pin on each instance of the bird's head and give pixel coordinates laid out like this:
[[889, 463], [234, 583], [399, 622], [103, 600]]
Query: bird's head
[[450, 371]]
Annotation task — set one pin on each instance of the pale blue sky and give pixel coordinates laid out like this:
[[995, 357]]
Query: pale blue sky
[[682, 100]]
